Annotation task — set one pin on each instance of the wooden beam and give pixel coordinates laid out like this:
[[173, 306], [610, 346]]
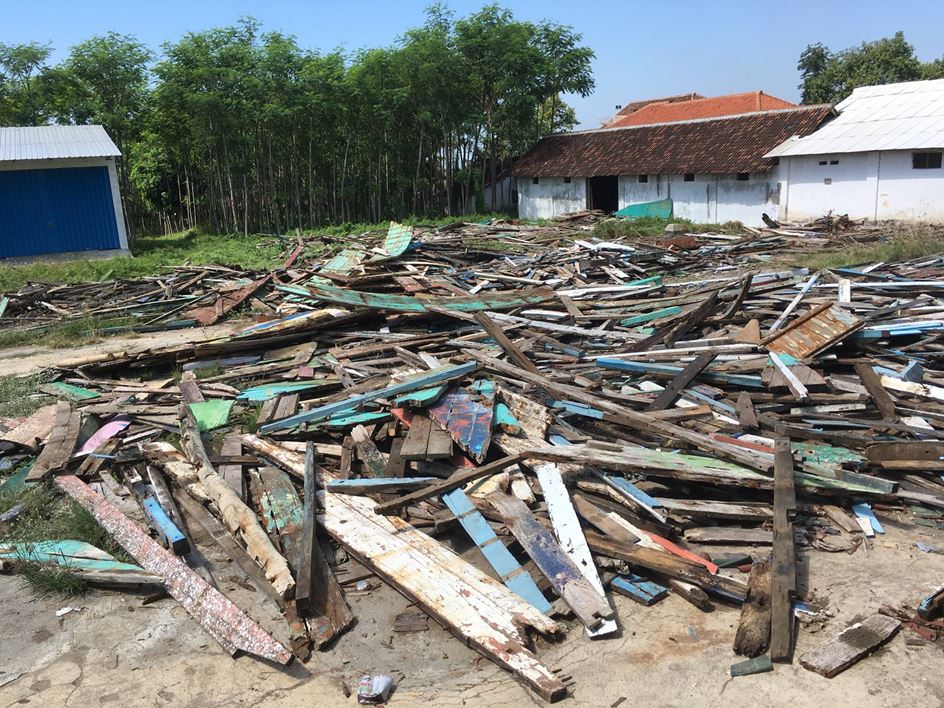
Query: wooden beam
[[681, 380], [317, 590], [753, 632], [502, 340], [783, 583], [852, 644], [588, 603], [222, 619], [458, 479], [873, 384], [61, 442]]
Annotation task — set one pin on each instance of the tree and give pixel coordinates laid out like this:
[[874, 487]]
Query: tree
[[21, 95], [830, 77]]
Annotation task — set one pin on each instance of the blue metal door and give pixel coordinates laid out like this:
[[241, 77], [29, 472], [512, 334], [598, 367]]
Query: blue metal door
[[56, 211]]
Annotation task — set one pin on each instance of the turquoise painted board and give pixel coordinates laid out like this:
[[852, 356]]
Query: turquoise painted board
[[420, 399], [346, 420], [504, 419], [659, 209], [72, 554], [511, 573], [406, 303], [632, 490], [649, 316], [264, 393]]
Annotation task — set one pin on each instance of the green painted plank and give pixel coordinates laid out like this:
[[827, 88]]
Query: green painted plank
[[649, 316], [75, 393], [70, 554], [211, 414], [348, 420], [267, 391], [420, 399], [407, 303]]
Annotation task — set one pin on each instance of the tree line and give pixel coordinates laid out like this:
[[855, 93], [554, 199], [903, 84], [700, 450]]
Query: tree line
[[238, 130]]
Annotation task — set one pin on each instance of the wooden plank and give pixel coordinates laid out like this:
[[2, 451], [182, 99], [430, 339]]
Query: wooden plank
[[396, 464], [515, 578], [638, 589], [439, 444], [237, 517], [31, 432], [853, 644], [799, 391], [458, 479], [60, 444], [232, 473], [728, 535], [675, 387], [317, 590], [873, 384], [417, 439], [222, 619], [423, 380], [783, 582], [753, 632], [747, 416], [595, 516], [568, 532], [189, 389], [502, 340], [367, 452], [794, 302], [583, 598]]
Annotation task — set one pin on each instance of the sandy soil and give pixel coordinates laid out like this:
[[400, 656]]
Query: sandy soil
[[116, 651]]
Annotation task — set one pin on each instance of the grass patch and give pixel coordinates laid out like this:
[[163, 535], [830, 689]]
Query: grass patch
[[152, 253], [64, 335], [650, 227], [904, 247], [47, 515], [20, 395]]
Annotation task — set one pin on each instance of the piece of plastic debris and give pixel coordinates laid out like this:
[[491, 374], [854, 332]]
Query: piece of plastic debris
[[374, 689], [63, 611]]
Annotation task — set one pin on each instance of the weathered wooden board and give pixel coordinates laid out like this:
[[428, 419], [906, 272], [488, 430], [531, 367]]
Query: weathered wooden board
[[853, 644], [753, 632], [222, 619]]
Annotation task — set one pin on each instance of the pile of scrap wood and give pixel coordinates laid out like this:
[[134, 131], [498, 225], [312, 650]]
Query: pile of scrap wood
[[588, 421]]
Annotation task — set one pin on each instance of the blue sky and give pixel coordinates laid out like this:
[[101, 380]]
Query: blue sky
[[643, 49]]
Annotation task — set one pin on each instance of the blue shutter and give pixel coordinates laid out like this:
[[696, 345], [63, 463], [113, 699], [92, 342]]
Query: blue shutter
[[56, 211]]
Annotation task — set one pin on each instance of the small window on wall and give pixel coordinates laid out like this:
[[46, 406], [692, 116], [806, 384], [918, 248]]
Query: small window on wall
[[926, 160], [834, 162], [643, 179], [743, 176], [535, 180], [566, 180], [689, 177], [822, 163]]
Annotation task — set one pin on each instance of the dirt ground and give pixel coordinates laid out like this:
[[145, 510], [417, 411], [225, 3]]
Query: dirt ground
[[118, 651]]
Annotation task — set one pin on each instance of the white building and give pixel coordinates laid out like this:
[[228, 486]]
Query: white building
[[713, 169], [879, 159]]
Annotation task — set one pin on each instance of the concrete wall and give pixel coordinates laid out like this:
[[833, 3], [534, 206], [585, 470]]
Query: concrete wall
[[867, 185], [550, 197], [710, 199], [505, 193]]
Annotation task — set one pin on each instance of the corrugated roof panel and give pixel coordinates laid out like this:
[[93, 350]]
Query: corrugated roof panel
[[901, 116], [49, 142]]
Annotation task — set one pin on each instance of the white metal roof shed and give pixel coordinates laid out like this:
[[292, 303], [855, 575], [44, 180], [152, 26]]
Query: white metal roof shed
[[905, 116], [49, 142]]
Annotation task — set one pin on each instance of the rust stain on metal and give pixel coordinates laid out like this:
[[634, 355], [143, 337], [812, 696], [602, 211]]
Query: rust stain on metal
[[817, 330], [222, 619]]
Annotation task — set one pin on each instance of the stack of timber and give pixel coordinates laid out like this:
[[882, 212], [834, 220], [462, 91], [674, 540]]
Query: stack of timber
[[594, 416]]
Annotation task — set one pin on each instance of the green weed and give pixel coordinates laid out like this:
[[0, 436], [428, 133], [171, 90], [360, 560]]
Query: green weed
[[20, 395]]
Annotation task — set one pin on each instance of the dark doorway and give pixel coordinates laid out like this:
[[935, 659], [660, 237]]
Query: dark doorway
[[603, 193]]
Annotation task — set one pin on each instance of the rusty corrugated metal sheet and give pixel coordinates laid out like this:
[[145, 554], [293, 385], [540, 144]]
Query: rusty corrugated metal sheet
[[820, 328], [711, 146]]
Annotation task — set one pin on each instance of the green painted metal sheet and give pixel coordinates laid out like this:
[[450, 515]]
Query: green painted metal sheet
[[659, 209]]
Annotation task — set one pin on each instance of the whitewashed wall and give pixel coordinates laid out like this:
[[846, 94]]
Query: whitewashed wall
[[710, 199], [504, 193], [868, 185], [550, 197]]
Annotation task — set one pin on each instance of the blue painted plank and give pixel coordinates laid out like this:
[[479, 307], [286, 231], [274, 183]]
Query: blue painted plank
[[864, 511], [645, 367], [632, 490], [509, 570], [579, 409], [377, 484], [172, 536], [427, 378], [639, 588]]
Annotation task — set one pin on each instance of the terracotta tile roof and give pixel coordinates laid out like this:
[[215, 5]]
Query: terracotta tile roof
[[712, 146], [672, 111], [636, 105]]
